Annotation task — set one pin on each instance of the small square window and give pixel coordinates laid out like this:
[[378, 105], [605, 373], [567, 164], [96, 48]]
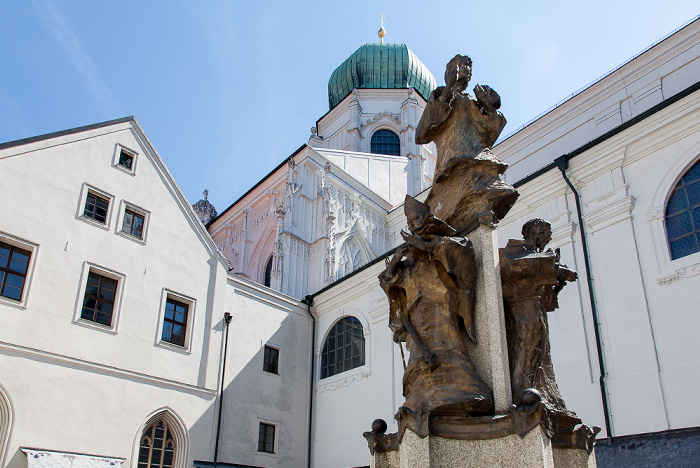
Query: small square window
[[133, 223], [271, 360], [126, 160], [96, 207], [266, 438], [100, 296], [14, 267], [175, 322]]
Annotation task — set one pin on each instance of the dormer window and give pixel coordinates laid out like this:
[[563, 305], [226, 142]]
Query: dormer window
[[385, 142]]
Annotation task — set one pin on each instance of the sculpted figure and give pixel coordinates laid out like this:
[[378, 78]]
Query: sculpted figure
[[532, 278], [467, 179], [460, 125], [430, 286]]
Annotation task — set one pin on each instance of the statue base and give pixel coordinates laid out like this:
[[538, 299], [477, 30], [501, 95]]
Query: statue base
[[522, 438]]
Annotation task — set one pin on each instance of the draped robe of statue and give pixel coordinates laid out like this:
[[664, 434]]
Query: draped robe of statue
[[430, 281], [532, 278]]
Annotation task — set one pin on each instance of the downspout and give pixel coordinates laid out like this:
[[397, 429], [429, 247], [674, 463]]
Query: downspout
[[563, 164], [308, 300], [227, 320]]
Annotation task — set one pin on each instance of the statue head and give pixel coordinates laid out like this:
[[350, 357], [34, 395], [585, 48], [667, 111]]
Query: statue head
[[458, 72], [537, 232], [416, 212]]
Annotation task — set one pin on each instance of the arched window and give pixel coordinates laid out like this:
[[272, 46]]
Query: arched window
[[385, 142], [683, 215], [344, 348], [267, 280], [157, 449]]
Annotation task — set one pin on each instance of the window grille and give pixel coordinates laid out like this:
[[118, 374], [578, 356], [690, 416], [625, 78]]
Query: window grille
[[683, 215], [157, 449], [344, 348], [385, 142]]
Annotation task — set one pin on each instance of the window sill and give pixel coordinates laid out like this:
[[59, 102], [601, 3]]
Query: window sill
[[95, 326], [94, 222], [14, 303], [173, 347], [131, 237], [271, 374]]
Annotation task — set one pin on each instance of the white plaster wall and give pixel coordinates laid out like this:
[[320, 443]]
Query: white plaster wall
[[68, 380], [263, 317]]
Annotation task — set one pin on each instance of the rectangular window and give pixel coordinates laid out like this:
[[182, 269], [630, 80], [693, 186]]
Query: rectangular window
[[96, 207], [98, 304], [271, 359], [14, 264], [175, 322], [133, 223], [266, 438]]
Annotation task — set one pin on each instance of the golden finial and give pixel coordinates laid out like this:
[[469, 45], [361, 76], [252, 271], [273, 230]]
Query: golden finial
[[382, 32]]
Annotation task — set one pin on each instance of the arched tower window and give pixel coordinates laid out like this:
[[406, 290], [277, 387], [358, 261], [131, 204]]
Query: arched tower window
[[344, 348], [157, 448], [683, 215], [385, 142], [267, 279]]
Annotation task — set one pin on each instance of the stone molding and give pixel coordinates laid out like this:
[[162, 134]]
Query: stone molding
[[344, 381], [687, 272]]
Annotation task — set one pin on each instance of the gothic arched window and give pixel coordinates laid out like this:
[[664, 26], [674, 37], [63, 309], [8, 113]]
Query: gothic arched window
[[157, 449], [344, 348], [267, 280], [385, 142], [683, 215]]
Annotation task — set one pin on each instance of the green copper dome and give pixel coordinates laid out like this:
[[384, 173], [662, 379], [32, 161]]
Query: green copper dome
[[380, 66]]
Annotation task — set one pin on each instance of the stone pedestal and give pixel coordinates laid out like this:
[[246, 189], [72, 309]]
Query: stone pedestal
[[490, 352], [534, 450], [522, 438]]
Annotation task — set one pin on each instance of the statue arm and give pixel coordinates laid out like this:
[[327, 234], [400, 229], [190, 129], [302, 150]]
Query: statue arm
[[434, 116]]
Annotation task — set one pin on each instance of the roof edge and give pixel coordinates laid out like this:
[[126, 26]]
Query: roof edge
[[70, 131]]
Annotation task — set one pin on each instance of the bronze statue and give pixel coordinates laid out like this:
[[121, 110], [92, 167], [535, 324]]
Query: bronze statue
[[532, 278], [467, 179], [430, 286]]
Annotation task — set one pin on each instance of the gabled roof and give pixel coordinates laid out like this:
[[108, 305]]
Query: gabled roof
[[158, 164]]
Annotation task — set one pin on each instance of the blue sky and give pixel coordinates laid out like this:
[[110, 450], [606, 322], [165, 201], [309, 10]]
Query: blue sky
[[226, 90]]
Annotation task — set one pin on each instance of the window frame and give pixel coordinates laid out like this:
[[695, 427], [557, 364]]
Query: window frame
[[33, 249], [278, 350], [118, 149], [126, 206], [681, 187], [325, 342], [120, 278], [84, 193], [168, 294], [275, 438], [168, 435], [375, 133]]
